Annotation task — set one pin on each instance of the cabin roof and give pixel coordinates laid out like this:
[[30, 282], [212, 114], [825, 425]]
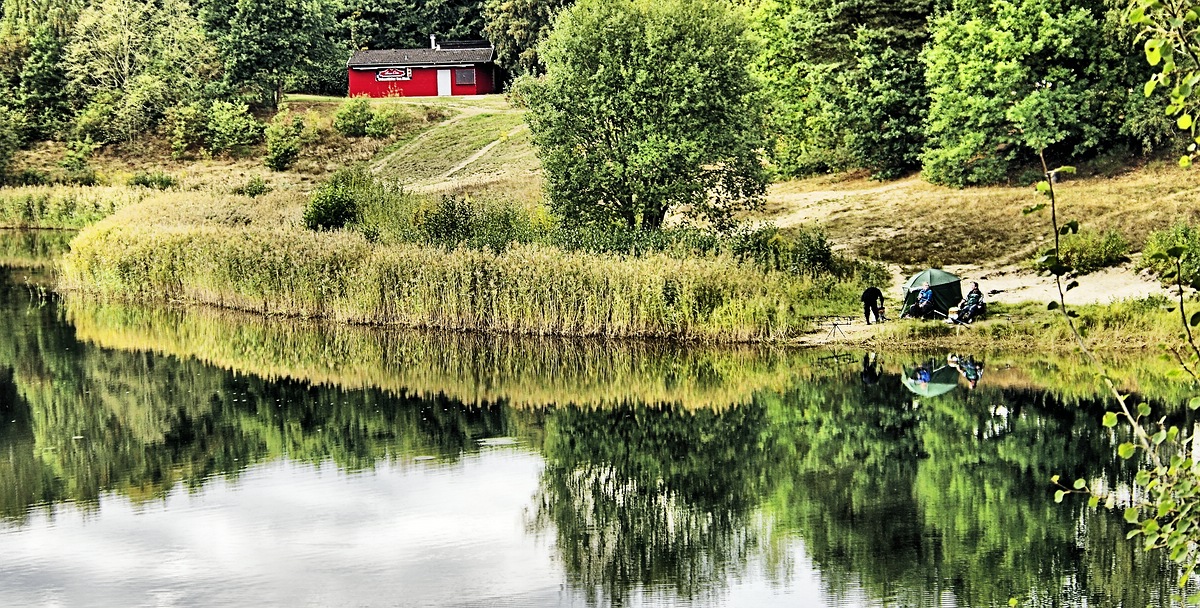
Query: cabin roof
[[382, 58]]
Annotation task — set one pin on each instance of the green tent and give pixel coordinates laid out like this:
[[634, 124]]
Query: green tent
[[947, 290], [941, 381]]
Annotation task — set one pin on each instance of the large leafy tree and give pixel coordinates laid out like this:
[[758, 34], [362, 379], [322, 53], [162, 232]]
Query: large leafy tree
[[266, 45], [845, 81], [129, 61], [648, 106], [516, 27], [1011, 77]]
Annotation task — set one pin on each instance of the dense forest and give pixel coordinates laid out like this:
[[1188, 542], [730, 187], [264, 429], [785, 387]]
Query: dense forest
[[965, 91]]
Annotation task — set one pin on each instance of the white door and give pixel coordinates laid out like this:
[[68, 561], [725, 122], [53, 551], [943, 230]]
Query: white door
[[443, 83]]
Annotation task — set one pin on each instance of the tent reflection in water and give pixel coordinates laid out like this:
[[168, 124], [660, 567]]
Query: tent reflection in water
[[947, 290], [927, 381]]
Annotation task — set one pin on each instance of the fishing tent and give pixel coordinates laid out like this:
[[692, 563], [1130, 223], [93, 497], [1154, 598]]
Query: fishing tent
[[930, 384], [947, 290]]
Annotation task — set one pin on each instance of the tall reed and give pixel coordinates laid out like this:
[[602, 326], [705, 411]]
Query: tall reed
[[62, 206], [526, 289]]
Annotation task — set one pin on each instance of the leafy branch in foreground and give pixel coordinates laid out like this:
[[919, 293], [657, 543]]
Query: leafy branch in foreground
[[1164, 505]]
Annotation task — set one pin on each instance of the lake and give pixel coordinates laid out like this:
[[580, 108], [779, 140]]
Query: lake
[[181, 456]]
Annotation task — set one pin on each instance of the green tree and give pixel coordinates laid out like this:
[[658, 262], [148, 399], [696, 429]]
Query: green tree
[[516, 27], [267, 45], [648, 107], [129, 62], [1012, 77]]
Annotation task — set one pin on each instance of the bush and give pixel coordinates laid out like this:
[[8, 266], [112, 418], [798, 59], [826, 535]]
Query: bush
[[333, 205], [231, 128], [283, 141], [157, 180], [94, 122], [75, 161], [254, 188], [385, 122], [30, 177], [1182, 236], [187, 126], [1088, 251], [353, 118]]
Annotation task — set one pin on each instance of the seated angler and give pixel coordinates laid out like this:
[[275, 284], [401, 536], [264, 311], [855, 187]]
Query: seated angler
[[971, 306], [924, 304]]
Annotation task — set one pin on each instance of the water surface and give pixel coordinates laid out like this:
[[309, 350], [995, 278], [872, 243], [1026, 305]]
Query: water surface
[[188, 457]]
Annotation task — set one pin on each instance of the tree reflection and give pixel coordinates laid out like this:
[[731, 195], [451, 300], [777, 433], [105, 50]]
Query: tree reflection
[[643, 497]]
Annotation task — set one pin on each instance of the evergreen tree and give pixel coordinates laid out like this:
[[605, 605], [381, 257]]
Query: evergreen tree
[[42, 89], [385, 24], [845, 81], [516, 27]]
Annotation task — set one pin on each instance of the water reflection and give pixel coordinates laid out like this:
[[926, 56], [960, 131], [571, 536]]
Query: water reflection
[[646, 474]]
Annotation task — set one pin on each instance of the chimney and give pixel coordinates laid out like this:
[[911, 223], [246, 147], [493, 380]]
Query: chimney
[[433, 42]]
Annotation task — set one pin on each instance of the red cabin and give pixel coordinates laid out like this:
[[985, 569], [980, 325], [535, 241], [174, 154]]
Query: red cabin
[[449, 68]]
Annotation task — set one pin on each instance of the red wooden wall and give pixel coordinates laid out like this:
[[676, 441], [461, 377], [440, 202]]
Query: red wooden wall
[[423, 83]]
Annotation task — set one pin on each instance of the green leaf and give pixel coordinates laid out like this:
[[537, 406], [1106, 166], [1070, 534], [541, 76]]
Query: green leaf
[[1143, 409], [1149, 87], [1131, 515], [1159, 437], [1094, 502], [1185, 161], [1043, 186], [1012, 601], [1110, 503], [1058, 496], [1069, 170], [1110, 418], [1054, 478], [1125, 450], [1184, 121], [1080, 483], [1194, 403]]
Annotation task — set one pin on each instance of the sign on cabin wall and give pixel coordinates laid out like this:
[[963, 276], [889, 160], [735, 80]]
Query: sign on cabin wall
[[391, 74]]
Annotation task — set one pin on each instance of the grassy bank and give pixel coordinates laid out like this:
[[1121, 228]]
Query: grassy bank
[[1130, 325]]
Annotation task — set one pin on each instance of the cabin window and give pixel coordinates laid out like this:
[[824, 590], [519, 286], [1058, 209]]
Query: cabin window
[[464, 76]]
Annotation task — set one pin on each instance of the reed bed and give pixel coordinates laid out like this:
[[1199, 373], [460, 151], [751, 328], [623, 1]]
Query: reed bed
[[526, 289], [63, 206]]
